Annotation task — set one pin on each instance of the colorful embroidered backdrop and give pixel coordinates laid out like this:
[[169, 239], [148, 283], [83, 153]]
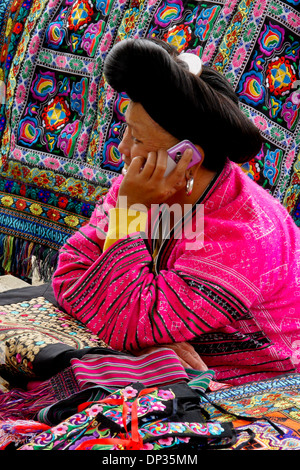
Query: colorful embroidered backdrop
[[60, 124]]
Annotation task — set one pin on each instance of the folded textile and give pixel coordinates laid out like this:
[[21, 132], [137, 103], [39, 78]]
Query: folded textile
[[203, 380], [156, 368], [57, 412], [262, 415], [110, 372], [273, 411], [37, 339]]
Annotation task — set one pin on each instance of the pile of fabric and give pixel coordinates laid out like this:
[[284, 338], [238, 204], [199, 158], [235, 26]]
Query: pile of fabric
[[62, 388]]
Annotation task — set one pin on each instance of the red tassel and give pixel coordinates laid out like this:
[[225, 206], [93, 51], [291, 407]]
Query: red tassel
[[19, 431]]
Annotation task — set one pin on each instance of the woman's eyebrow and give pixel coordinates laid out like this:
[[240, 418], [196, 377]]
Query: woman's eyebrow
[[130, 124], [133, 127]]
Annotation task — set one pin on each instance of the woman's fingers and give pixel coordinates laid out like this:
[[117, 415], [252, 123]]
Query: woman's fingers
[[145, 183], [161, 165], [186, 353], [155, 164], [183, 163], [150, 165], [136, 165], [189, 356]]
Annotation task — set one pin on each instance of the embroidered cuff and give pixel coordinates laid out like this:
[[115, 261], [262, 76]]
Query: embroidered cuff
[[123, 222]]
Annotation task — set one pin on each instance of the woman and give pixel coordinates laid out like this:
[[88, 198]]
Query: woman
[[230, 300]]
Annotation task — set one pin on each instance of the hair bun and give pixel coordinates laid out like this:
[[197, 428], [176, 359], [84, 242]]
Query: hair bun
[[144, 70], [134, 64], [147, 72], [201, 109]]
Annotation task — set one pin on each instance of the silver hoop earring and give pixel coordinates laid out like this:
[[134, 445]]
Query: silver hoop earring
[[189, 186]]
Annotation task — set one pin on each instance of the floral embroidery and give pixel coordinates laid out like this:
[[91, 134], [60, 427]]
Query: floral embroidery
[[179, 37], [27, 327], [129, 392]]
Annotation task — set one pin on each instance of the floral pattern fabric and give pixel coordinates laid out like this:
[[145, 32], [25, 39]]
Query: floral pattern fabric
[[276, 400], [267, 418], [88, 428], [26, 328]]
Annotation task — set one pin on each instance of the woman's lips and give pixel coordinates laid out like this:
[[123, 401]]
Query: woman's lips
[[126, 160], [126, 164]]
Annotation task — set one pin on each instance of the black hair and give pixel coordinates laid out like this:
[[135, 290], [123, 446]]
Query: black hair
[[204, 110]]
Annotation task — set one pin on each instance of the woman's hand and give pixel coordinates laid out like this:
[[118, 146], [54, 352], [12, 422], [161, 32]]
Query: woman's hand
[[145, 183], [187, 355]]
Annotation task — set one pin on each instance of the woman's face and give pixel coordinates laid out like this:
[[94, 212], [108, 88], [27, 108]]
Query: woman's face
[[142, 135]]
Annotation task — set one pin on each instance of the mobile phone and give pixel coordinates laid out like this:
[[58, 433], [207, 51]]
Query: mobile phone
[[175, 153]]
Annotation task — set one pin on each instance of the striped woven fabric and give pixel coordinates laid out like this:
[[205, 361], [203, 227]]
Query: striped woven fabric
[[160, 367]]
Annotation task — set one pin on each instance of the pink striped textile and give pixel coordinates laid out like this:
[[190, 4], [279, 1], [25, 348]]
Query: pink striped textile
[[160, 367]]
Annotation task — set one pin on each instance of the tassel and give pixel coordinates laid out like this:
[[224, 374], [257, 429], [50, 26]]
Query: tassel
[[19, 432], [44, 261], [14, 257], [27, 262], [7, 254], [21, 257], [23, 404], [2, 238], [18, 403]]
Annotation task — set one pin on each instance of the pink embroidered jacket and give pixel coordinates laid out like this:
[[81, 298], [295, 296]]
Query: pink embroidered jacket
[[235, 297]]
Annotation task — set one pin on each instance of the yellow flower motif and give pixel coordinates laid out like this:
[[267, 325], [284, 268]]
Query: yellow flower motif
[[71, 220], [35, 209], [36, 7], [6, 135], [8, 27], [7, 201]]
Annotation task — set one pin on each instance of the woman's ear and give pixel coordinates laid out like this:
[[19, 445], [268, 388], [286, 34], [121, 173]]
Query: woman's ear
[[193, 170], [201, 151]]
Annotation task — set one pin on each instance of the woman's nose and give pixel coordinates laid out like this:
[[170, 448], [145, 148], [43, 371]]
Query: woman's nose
[[124, 147]]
